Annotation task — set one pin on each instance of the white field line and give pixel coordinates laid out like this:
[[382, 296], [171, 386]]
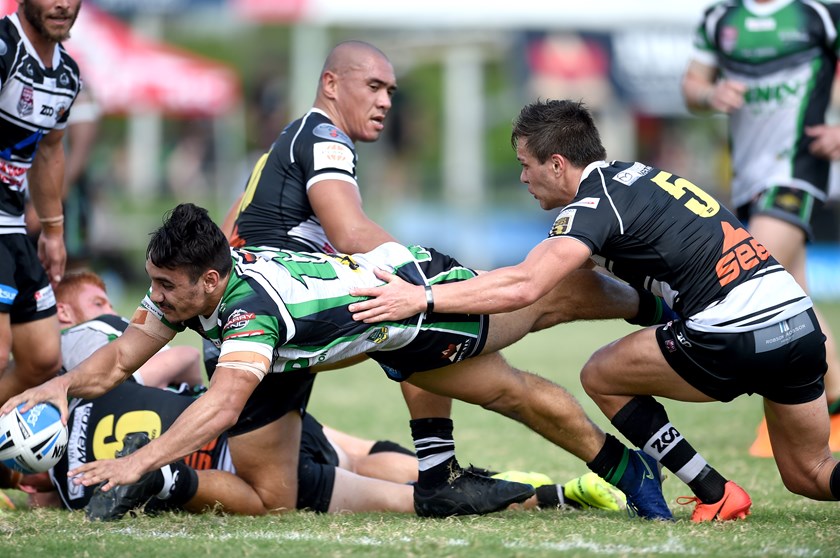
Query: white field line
[[671, 546]]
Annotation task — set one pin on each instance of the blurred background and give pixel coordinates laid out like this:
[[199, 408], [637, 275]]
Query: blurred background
[[190, 92]]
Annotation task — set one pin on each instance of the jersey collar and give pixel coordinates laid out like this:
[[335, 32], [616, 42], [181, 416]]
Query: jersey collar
[[591, 167], [56, 58]]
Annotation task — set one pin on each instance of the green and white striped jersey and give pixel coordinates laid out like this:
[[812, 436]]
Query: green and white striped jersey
[[291, 307], [785, 52]]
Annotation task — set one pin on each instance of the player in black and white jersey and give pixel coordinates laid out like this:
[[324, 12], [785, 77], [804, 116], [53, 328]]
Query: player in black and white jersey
[[274, 313], [770, 65], [38, 84], [744, 326]]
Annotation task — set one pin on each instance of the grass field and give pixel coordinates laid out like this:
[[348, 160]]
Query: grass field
[[361, 401]]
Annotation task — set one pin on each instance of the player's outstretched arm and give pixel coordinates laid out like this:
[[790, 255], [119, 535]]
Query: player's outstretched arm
[[98, 374], [502, 290]]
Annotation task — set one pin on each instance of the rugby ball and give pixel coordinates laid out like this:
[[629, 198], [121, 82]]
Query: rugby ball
[[34, 441]]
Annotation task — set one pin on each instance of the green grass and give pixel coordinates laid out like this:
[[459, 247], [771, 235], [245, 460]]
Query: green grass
[[362, 401]]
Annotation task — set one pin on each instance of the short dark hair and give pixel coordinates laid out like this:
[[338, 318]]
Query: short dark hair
[[562, 127], [190, 240]]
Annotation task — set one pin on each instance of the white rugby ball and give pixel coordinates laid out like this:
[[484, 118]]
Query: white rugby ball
[[34, 441]]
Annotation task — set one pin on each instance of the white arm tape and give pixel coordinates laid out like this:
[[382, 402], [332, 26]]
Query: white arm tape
[[258, 369]]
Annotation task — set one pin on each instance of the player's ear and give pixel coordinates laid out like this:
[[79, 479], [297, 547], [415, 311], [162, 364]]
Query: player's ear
[[329, 84], [559, 164], [66, 316], [210, 280]]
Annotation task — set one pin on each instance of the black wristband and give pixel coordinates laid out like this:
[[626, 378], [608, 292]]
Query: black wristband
[[430, 300]]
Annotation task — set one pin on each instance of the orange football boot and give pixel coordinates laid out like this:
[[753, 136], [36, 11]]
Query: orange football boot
[[735, 504]]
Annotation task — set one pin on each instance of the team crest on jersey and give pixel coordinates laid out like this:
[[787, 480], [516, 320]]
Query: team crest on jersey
[[378, 335], [332, 155], [26, 103], [728, 38], [239, 319], [563, 223], [631, 174], [330, 132]]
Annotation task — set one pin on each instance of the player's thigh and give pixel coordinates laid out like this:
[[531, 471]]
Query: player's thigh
[[786, 242], [634, 365], [267, 459], [479, 380], [36, 346]]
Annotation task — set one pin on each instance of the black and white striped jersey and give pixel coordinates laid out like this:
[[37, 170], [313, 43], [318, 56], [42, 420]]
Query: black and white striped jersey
[[35, 98], [661, 232]]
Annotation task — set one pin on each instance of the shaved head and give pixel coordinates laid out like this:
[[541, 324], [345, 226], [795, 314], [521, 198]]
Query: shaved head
[[351, 55]]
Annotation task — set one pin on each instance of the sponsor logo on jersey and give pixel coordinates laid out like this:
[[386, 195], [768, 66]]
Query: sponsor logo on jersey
[[563, 223], [683, 341], [759, 24], [728, 38], [239, 319], [7, 294], [330, 132], [13, 175], [332, 155], [26, 102], [741, 252], [631, 174], [590, 203], [44, 298], [77, 447], [378, 336], [64, 80]]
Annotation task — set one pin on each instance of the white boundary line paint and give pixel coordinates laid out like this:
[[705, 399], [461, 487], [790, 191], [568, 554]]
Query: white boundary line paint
[[671, 546]]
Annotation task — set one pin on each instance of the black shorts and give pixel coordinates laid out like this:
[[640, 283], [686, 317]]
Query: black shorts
[[790, 205], [784, 362], [25, 291], [443, 339], [277, 394], [316, 470]]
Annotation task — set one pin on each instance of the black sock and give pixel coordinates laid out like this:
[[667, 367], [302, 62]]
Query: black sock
[[644, 421], [611, 461], [382, 446], [834, 482], [652, 310], [435, 450], [178, 485], [552, 496]]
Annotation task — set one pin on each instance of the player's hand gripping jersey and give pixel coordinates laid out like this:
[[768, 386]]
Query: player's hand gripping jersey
[[700, 258], [786, 54]]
